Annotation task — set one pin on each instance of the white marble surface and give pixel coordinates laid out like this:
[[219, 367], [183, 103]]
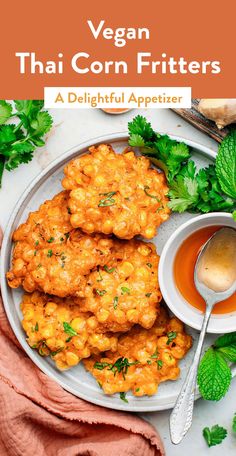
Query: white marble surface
[[72, 127]]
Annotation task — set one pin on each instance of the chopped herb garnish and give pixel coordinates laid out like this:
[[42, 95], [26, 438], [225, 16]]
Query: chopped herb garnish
[[36, 328], [100, 292], [109, 270], [171, 336], [123, 397], [39, 266], [69, 339], [108, 200], [50, 240], [36, 243], [49, 254], [155, 354], [67, 235], [121, 366], [125, 290], [61, 239], [34, 346], [148, 295], [101, 366], [149, 362], [115, 302], [137, 390], [69, 210], [159, 364], [35, 252], [68, 329], [146, 188], [149, 265]]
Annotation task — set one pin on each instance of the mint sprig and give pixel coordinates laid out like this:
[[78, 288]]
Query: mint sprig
[[214, 374]]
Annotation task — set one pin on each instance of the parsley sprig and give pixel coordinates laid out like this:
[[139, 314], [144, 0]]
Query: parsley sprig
[[19, 140], [210, 189]]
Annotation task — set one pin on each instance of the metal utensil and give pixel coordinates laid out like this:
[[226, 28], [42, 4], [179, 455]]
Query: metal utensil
[[215, 280]]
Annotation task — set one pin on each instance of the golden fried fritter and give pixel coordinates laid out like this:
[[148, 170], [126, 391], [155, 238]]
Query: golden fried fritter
[[119, 194], [56, 327], [144, 358], [51, 256], [125, 291]]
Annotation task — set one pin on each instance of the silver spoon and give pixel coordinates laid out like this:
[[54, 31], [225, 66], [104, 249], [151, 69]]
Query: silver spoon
[[215, 280]]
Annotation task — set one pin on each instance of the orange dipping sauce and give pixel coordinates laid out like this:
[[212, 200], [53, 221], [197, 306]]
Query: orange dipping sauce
[[184, 264]]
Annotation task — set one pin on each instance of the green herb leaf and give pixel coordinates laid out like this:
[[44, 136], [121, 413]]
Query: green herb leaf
[[226, 164], [5, 111], [148, 194], [215, 435], [49, 254], [214, 375], [171, 336], [100, 292], [159, 364], [50, 240], [123, 397], [125, 290], [101, 366], [68, 329], [109, 270], [36, 328], [234, 423], [148, 295], [115, 302]]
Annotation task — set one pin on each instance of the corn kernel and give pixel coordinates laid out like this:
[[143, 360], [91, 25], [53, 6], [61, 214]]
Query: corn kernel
[[72, 359]]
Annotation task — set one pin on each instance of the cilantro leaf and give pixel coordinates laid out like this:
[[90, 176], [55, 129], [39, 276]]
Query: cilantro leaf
[[214, 375], [41, 123], [7, 134], [183, 193], [5, 111], [136, 140], [140, 126], [215, 435], [18, 141], [226, 164]]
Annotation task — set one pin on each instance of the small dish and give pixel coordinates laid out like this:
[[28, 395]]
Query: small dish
[[219, 323]]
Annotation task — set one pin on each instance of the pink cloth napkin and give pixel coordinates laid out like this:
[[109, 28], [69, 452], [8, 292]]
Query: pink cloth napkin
[[39, 418]]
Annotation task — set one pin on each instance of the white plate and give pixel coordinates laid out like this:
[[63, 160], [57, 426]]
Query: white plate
[[77, 381]]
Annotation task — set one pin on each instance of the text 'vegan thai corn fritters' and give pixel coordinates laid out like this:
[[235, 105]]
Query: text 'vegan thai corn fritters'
[[56, 327], [125, 291], [119, 194], [51, 256], [144, 358]]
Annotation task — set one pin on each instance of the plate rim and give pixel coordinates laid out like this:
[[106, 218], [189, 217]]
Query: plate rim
[[36, 182]]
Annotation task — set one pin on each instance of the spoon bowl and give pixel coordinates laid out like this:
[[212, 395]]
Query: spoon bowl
[[215, 280]]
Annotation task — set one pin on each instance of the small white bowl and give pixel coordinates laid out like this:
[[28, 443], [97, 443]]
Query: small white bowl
[[219, 323]]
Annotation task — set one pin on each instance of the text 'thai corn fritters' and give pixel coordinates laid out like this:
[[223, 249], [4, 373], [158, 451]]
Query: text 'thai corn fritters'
[[144, 358], [116, 193], [125, 291], [56, 327], [50, 255]]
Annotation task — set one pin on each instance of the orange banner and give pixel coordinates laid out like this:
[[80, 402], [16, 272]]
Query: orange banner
[[123, 44]]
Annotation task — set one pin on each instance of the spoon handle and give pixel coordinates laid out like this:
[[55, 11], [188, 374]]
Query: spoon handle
[[182, 414]]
